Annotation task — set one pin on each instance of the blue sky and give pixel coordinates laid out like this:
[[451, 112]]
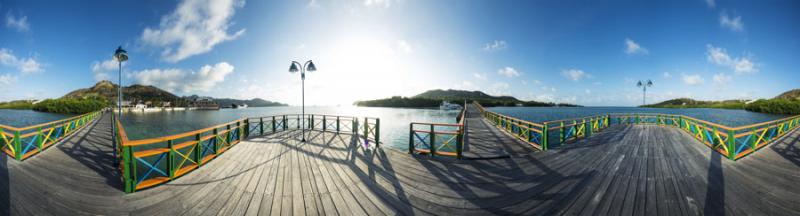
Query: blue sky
[[589, 53]]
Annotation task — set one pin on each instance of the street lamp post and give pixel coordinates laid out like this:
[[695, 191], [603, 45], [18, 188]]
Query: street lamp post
[[120, 55], [308, 66], [644, 85]]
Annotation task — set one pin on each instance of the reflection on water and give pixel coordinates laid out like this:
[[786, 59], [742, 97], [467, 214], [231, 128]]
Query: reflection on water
[[22, 118], [394, 122], [726, 117]]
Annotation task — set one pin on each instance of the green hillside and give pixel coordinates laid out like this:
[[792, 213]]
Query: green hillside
[[691, 103], [433, 98]]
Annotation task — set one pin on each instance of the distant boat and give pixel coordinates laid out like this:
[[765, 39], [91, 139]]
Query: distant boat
[[449, 106], [239, 106]]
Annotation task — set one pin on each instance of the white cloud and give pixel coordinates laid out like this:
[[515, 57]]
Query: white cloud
[[667, 75], [523, 82], [633, 48], [25, 65], [575, 74], [721, 79], [192, 81], [740, 65], [496, 45], [384, 3], [731, 23], [7, 79], [537, 82], [102, 70], [692, 79], [403, 46], [508, 72], [20, 24], [479, 76], [195, 27], [499, 89], [711, 3], [313, 4], [587, 91]]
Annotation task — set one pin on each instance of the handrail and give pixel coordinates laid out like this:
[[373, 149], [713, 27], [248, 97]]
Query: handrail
[[733, 142], [25, 142], [429, 142], [151, 162]]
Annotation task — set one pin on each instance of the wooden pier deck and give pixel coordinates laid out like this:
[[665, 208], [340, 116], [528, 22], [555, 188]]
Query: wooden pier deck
[[624, 170]]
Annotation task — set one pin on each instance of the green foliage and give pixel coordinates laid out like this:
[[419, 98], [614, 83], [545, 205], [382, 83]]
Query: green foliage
[[434, 98], [775, 106], [71, 106], [20, 104], [690, 103], [398, 101]]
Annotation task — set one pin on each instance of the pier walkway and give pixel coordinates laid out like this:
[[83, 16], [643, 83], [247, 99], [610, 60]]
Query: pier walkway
[[622, 170]]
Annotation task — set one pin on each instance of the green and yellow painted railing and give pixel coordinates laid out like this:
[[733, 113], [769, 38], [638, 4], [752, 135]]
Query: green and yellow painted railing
[[23, 143], [150, 162], [732, 142], [438, 139]]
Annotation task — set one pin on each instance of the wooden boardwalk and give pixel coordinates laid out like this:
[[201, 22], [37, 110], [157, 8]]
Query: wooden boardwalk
[[624, 170]]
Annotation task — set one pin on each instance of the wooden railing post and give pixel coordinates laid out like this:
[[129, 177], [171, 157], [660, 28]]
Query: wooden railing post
[[561, 134], [273, 124], [433, 141], [127, 169], [17, 146], [198, 150], [377, 132], [285, 126], [170, 162], [261, 125], [40, 139], [732, 145], [337, 124], [410, 138], [246, 131], [460, 142], [324, 123], [216, 141], [544, 136]]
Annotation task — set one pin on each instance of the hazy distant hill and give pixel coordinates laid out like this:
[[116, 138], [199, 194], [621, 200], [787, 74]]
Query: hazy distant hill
[[255, 102], [691, 103], [108, 90], [433, 98], [790, 95], [787, 103]]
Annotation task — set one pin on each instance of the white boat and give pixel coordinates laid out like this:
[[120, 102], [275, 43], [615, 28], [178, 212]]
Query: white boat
[[239, 106], [449, 106]]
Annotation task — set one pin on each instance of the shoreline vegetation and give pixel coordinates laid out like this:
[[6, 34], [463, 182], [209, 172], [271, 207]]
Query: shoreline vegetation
[[104, 94], [433, 98], [787, 103]]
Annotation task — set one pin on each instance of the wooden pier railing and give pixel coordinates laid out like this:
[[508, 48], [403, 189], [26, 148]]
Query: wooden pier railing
[[25, 142], [438, 138], [732, 142], [150, 162]]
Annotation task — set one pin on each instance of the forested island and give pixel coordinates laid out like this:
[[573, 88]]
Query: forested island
[[433, 98], [104, 94], [787, 103]]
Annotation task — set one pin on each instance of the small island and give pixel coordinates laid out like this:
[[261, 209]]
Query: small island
[[787, 103], [433, 98]]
